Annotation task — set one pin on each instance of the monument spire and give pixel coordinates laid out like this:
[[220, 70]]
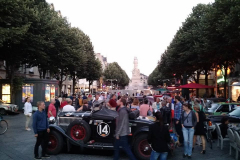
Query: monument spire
[[135, 62]]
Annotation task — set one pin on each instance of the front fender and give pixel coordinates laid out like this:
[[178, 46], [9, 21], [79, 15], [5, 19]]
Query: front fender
[[144, 129], [62, 132]]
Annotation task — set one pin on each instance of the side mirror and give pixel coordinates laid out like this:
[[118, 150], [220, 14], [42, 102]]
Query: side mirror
[[52, 120]]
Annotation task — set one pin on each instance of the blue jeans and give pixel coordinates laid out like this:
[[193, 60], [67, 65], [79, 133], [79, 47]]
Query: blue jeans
[[158, 156], [123, 141], [188, 140]]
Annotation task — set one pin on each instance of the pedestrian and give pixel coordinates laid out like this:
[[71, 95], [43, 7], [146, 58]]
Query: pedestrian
[[112, 102], [135, 104], [145, 108], [51, 109], [157, 105], [122, 131], [166, 113], [68, 107], [27, 112], [85, 106], [199, 129], [177, 118], [96, 101], [80, 100], [188, 122], [57, 104], [158, 138], [84, 96], [90, 97], [41, 130], [63, 103], [197, 102], [75, 102]]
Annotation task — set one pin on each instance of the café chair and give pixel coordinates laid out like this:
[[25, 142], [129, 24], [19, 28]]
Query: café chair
[[220, 138], [237, 140], [233, 143]]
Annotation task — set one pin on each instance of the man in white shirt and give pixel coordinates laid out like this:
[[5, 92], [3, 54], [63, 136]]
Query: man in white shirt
[[68, 107]]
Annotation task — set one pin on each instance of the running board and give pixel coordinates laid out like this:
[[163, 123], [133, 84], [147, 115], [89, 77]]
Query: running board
[[98, 145]]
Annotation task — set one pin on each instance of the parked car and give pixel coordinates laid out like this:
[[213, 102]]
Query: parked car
[[221, 108], [96, 130], [233, 116], [6, 108]]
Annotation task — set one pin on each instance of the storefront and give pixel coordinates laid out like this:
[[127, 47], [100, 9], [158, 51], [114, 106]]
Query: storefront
[[36, 89]]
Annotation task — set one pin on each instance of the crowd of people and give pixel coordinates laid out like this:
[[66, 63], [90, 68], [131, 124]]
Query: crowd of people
[[187, 120]]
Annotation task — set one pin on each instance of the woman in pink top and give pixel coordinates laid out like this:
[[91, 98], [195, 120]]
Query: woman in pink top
[[144, 108]]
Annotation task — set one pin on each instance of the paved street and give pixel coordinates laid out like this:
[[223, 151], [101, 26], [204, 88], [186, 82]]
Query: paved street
[[17, 144]]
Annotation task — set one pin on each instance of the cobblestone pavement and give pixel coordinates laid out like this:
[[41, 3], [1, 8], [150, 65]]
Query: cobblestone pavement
[[17, 144]]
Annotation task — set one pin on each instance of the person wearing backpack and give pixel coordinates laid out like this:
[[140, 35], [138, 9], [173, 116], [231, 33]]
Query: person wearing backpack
[[188, 122]]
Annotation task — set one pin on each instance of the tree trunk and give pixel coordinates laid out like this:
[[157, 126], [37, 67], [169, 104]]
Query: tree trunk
[[60, 83], [206, 82], [197, 81], [89, 87], [74, 83], [225, 79], [44, 74]]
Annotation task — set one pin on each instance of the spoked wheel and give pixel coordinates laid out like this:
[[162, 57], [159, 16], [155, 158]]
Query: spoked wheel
[[142, 149], [3, 126], [55, 143], [78, 132]]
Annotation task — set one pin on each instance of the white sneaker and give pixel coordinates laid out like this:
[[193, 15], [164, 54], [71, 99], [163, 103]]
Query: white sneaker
[[28, 129]]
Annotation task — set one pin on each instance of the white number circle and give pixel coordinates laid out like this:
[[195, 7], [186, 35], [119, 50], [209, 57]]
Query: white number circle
[[103, 129]]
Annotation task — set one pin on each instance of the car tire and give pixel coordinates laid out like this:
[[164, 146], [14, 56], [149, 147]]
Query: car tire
[[2, 111], [55, 143], [140, 144], [79, 130]]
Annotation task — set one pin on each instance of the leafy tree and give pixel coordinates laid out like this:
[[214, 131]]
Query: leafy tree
[[114, 71]]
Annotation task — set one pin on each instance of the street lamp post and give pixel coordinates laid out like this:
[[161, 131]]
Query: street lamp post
[[111, 81]]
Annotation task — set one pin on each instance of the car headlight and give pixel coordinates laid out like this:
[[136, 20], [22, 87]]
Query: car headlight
[[52, 120]]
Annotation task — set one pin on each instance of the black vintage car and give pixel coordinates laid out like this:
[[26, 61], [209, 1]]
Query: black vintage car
[[96, 130]]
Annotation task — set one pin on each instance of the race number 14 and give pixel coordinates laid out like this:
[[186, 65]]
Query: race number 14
[[103, 129]]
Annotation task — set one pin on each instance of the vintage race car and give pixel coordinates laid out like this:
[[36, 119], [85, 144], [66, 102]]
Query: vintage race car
[[96, 130]]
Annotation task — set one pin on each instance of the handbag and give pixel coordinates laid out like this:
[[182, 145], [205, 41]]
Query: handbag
[[149, 113]]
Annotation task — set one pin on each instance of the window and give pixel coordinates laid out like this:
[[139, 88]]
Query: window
[[6, 97], [27, 91], [49, 92], [223, 108]]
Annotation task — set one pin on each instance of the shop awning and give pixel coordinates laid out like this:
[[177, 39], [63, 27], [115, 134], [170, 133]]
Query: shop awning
[[195, 86]]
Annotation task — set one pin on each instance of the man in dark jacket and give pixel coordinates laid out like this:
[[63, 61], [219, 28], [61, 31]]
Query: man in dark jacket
[[57, 104], [41, 130], [122, 131]]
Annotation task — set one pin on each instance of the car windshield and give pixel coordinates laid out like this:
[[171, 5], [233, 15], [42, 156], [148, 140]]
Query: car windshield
[[236, 113], [214, 106]]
